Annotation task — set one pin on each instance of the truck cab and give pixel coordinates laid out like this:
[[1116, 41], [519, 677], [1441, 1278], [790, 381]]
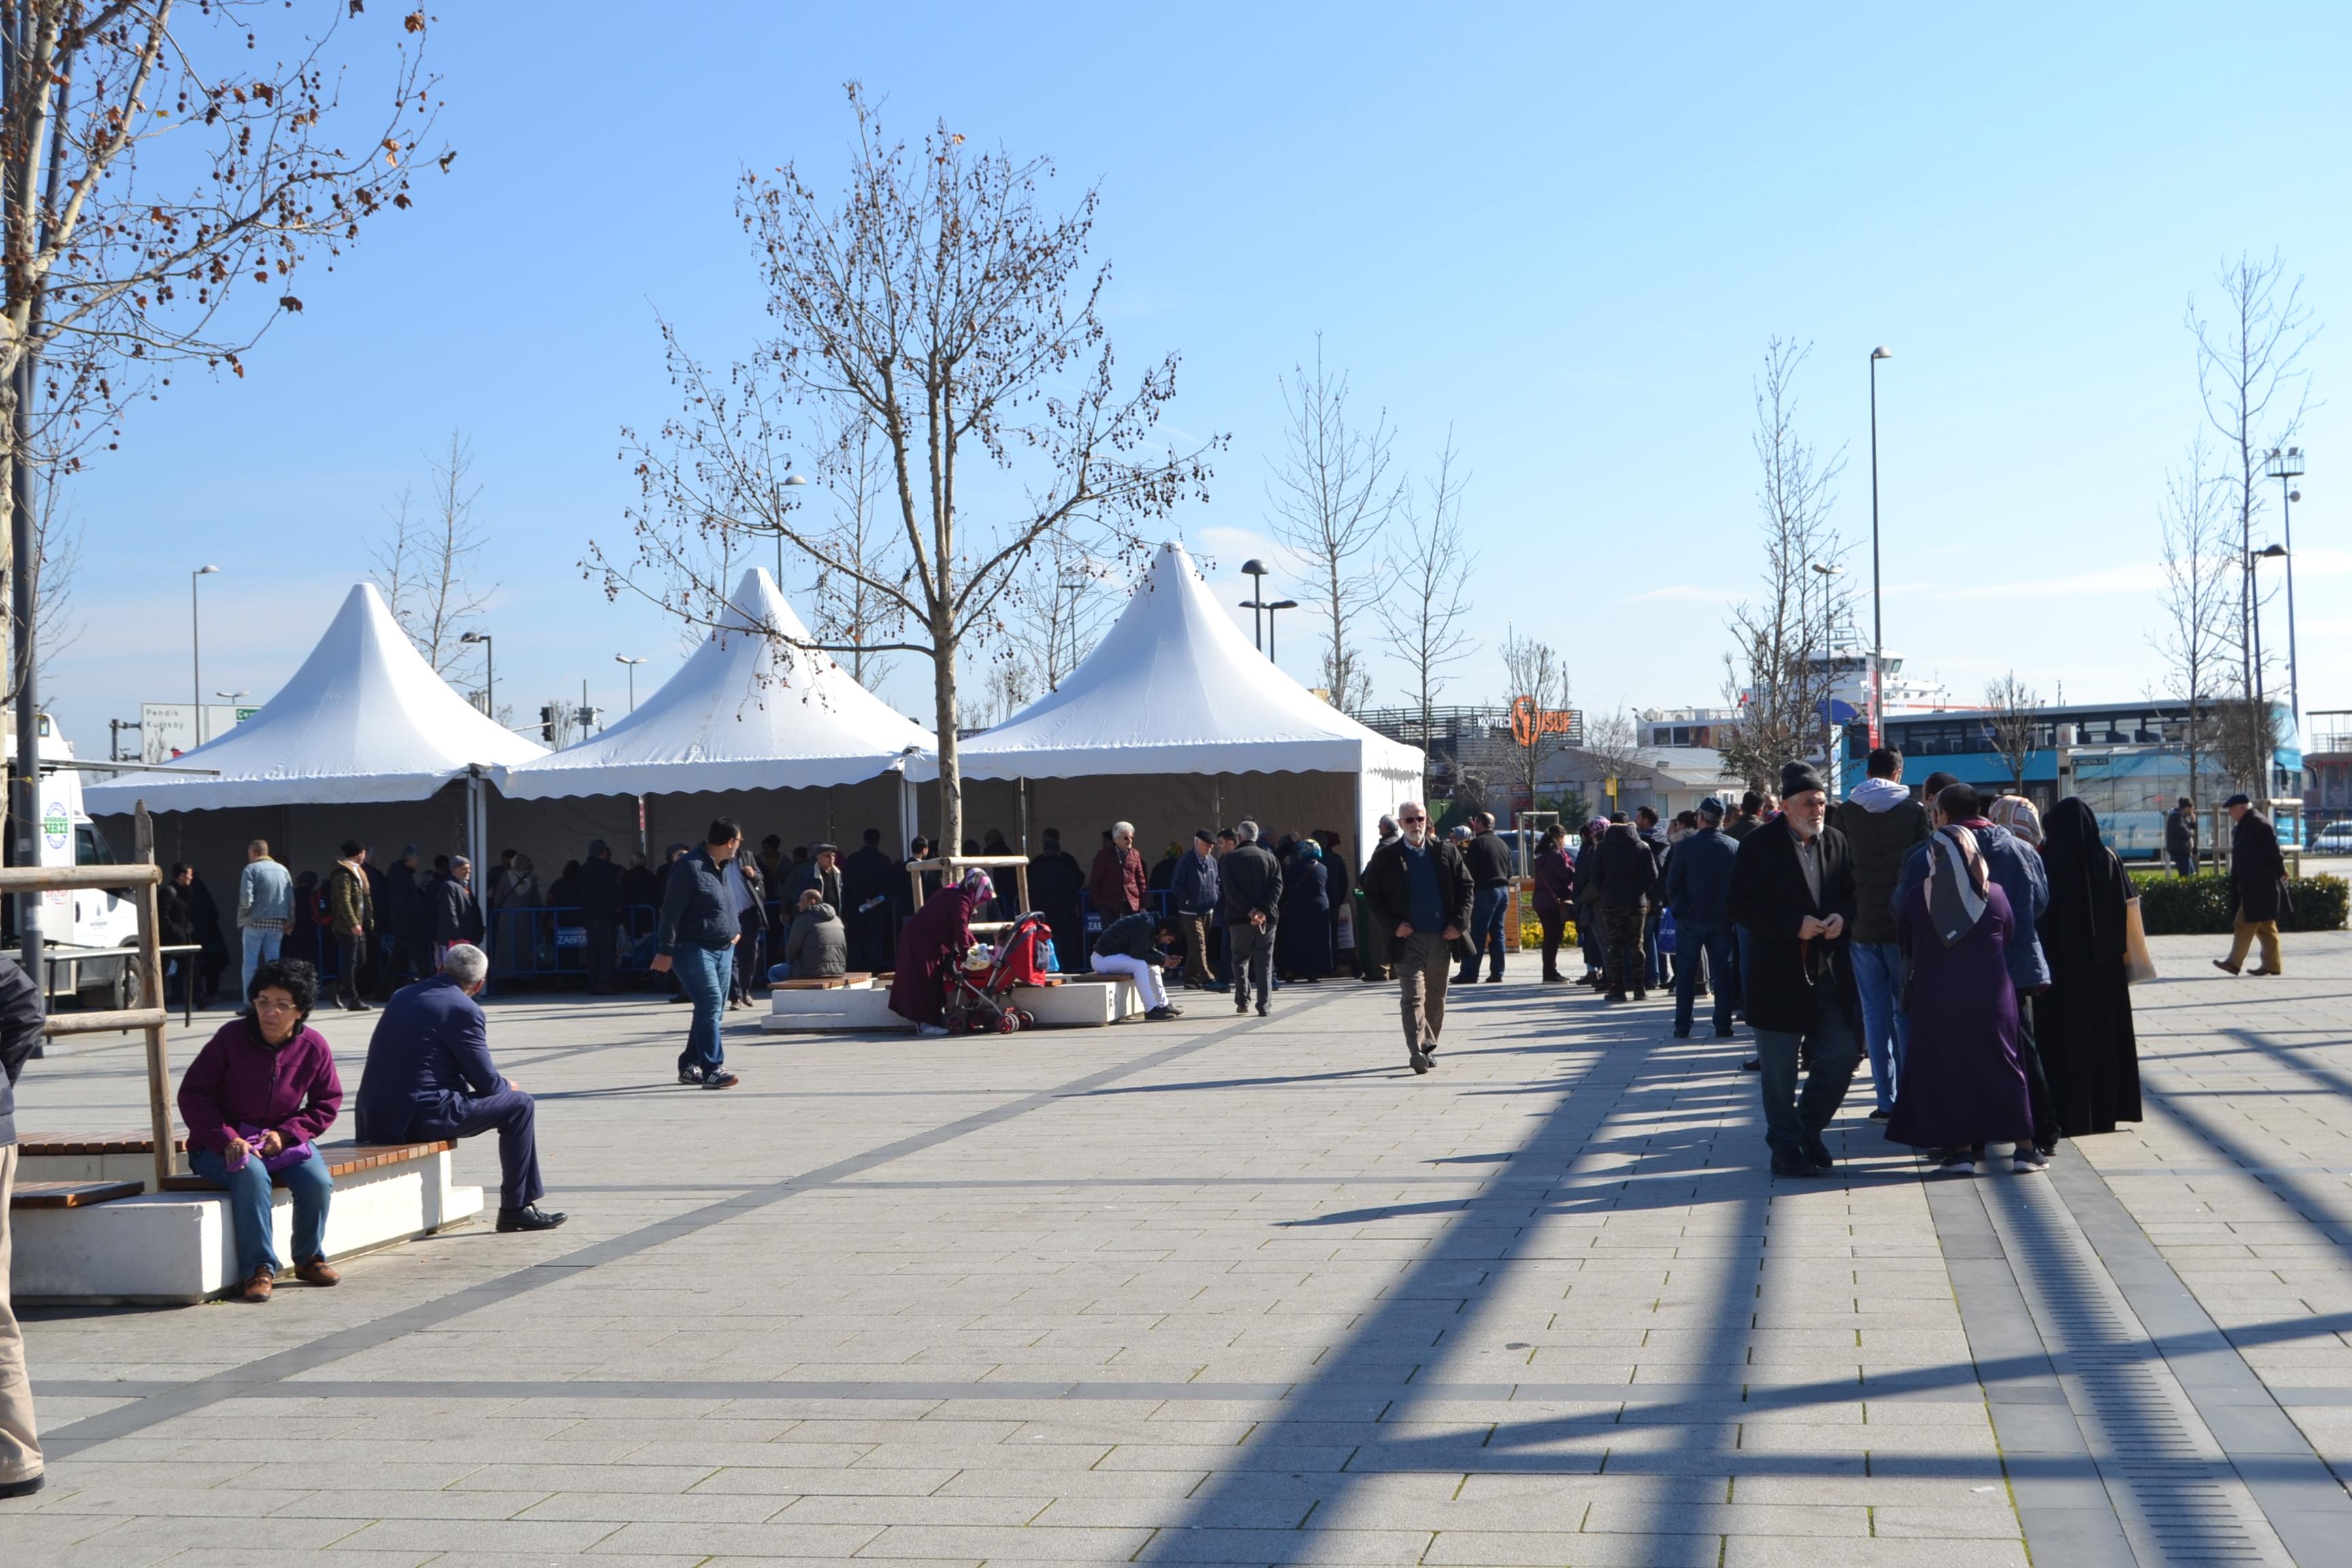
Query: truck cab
[[91, 934]]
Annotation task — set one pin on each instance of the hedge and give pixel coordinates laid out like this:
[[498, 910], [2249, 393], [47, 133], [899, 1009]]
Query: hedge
[[2199, 905]]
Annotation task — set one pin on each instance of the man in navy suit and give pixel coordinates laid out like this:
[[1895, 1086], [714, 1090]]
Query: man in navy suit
[[429, 1075]]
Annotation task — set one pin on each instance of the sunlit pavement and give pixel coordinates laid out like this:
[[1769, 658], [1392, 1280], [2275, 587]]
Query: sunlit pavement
[[1245, 1291]]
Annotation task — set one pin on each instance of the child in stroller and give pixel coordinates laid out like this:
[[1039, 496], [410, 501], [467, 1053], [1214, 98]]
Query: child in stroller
[[981, 997]]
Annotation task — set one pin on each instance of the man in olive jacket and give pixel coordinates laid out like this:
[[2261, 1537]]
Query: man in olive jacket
[[1418, 889], [1792, 892], [1880, 822], [351, 910]]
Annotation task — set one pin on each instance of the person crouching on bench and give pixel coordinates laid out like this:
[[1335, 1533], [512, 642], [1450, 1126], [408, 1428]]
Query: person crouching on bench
[[1136, 945], [429, 1077]]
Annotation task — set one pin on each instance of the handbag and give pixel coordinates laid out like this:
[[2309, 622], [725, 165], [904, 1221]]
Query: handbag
[[2139, 964]]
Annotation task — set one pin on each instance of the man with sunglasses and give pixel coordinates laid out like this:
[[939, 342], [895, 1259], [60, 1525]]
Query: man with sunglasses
[[1419, 889]]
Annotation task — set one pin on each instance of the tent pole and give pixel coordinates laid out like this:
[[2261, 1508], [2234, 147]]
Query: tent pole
[[476, 828], [1021, 787]]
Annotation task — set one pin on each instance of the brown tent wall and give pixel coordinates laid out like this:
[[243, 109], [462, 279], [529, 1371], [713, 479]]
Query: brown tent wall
[[1165, 807]]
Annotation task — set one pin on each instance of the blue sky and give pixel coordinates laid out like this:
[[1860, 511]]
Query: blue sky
[[1566, 232]]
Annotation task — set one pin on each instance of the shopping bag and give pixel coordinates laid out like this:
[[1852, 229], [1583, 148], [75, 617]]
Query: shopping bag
[[2139, 964]]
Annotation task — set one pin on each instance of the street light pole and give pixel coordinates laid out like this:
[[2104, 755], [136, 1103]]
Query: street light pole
[[1277, 605], [1829, 675], [790, 479], [489, 673], [2286, 467], [197, 652], [632, 663], [1256, 571], [1877, 623]]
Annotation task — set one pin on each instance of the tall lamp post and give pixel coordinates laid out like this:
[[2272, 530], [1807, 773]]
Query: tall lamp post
[[1877, 623], [790, 481], [2286, 467], [1256, 571], [632, 663], [2255, 558], [196, 651], [489, 673]]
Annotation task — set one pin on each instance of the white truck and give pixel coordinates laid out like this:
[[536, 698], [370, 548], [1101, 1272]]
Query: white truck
[[91, 935]]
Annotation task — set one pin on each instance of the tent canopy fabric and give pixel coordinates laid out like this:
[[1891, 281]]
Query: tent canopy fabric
[[749, 711], [365, 719], [1172, 688]]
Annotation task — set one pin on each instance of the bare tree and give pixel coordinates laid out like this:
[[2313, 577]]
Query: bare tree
[[1332, 498], [425, 565], [1540, 684], [2256, 391], [1613, 744], [937, 307], [2201, 580], [1428, 598], [2245, 742], [2011, 724], [1054, 617], [163, 161], [1779, 673], [851, 612]]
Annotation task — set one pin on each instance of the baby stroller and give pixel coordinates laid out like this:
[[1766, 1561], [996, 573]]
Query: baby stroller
[[979, 998]]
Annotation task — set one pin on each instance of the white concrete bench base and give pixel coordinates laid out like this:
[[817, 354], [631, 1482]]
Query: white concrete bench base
[[162, 1249], [1084, 1001]]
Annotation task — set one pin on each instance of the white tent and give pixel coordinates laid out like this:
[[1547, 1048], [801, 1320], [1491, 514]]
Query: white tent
[[747, 711], [365, 719], [1174, 691]]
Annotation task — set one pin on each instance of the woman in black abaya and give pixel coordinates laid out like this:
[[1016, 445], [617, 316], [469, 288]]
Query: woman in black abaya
[[2084, 1022]]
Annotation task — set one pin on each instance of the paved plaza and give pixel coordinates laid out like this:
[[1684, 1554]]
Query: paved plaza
[[1250, 1292]]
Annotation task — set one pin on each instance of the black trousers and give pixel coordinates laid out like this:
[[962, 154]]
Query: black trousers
[[602, 936], [2037, 1081], [352, 953], [1624, 929], [513, 1116]]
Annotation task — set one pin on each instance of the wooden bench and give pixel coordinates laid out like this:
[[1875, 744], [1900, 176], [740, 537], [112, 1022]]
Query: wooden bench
[[34, 1145], [70, 1194], [822, 982], [343, 1160]]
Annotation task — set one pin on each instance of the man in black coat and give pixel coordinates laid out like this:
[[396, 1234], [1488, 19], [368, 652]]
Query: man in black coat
[[1792, 892], [600, 912], [1249, 894], [20, 1443], [457, 914], [2257, 887], [1627, 876], [2180, 837], [1055, 881], [1698, 889], [1490, 860], [865, 886], [1418, 889]]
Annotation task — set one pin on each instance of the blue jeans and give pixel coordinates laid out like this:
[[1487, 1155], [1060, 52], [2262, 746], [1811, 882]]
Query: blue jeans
[[702, 974], [1654, 958], [248, 1207], [1487, 907], [1791, 1121], [1885, 1031], [1691, 939], [261, 947]]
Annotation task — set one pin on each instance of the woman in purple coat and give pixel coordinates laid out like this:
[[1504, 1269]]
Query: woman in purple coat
[[256, 1101], [928, 944], [1962, 1085]]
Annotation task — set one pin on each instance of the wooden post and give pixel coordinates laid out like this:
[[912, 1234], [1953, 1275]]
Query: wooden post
[[151, 981]]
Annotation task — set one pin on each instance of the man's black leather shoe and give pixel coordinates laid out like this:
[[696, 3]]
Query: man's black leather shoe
[[530, 1218]]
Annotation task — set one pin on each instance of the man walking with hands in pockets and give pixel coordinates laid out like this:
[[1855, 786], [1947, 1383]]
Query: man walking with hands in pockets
[[1419, 889]]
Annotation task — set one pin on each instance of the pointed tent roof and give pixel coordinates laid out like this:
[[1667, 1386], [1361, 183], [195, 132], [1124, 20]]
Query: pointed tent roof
[[1173, 689], [365, 719], [747, 711]]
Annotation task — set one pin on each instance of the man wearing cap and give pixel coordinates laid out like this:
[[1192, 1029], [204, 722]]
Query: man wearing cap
[[1792, 893], [2257, 887], [1193, 889], [1698, 890]]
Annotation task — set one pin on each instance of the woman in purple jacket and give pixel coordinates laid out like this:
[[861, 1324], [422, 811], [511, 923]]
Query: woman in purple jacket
[[256, 1101]]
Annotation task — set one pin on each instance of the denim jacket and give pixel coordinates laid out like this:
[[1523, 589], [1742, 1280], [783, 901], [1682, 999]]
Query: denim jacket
[[265, 896]]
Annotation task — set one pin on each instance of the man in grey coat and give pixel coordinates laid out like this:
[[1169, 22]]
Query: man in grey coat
[[817, 947]]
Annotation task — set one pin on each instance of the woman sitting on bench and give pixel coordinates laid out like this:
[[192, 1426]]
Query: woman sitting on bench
[[256, 1101]]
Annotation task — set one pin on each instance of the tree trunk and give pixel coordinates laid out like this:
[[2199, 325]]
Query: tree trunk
[[951, 841]]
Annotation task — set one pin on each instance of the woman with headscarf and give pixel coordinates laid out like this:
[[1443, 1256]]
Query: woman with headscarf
[[1303, 945], [2084, 1022], [1584, 895], [2016, 813], [1963, 1084], [929, 945]]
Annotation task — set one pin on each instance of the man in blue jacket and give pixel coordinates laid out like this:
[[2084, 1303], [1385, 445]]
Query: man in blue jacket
[[429, 1075], [2018, 871], [1194, 891], [698, 933], [1698, 889]]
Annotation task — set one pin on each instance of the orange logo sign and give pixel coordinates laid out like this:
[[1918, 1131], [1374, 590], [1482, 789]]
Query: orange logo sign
[[1531, 723]]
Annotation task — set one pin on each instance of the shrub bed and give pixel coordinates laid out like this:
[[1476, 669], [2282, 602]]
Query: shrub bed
[[2199, 906]]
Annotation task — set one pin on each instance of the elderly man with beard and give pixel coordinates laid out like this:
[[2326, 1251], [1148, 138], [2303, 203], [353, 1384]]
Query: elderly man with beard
[[1419, 889], [1792, 892]]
